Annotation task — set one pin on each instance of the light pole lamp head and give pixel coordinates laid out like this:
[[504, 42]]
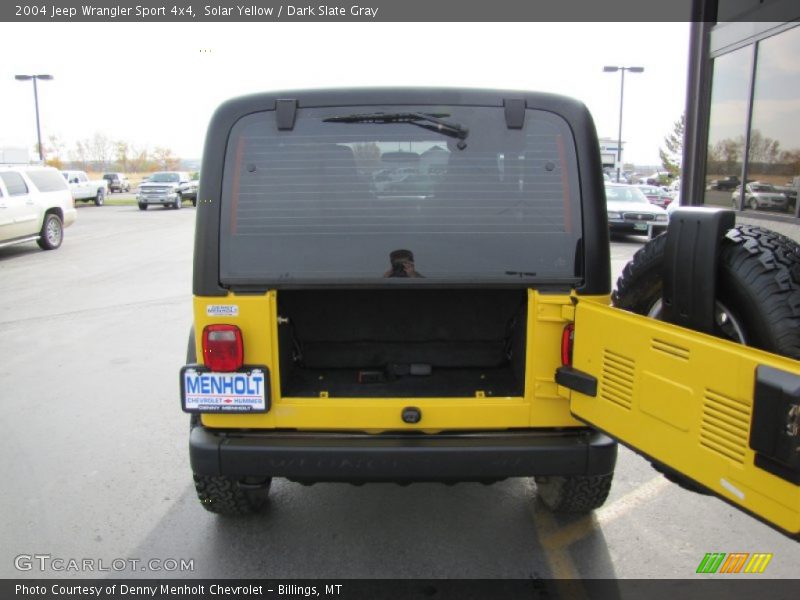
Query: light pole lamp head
[[29, 77], [610, 69], [636, 69]]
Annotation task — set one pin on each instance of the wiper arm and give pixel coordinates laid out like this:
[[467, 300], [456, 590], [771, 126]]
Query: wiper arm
[[429, 121]]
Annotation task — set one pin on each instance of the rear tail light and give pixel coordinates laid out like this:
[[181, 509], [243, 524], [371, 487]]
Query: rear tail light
[[223, 349], [567, 340]]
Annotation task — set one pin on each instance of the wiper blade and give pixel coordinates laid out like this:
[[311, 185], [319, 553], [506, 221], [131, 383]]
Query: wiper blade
[[429, 121]]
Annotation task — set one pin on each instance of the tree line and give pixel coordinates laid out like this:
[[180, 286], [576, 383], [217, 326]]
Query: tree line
[[101, 153], [764, 155]]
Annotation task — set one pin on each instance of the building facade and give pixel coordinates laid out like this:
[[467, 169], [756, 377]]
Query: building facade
[[743, 108]]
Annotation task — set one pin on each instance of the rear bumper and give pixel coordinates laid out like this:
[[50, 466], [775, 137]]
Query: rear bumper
[[70, 215], [401, 457]]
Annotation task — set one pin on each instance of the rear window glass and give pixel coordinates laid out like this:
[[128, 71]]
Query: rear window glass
[[165, 178], [48, 181], [15, 184], [343, 201]]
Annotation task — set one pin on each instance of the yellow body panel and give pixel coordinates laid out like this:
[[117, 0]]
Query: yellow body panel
[[540, 407], [683, 398]]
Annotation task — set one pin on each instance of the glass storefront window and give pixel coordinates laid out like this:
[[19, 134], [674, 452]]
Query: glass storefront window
[[727, 125], [773, 158]]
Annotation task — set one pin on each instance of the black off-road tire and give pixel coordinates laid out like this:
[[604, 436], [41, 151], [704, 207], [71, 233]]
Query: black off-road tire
[[143, 206], [758, 282], [573, 494], [100, 199], [225, 496]]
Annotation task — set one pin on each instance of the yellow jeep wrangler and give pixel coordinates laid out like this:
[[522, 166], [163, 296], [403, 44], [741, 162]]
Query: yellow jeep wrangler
[[414, 285]]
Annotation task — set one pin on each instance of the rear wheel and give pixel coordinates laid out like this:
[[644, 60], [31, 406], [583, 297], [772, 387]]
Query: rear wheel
[[574, 493], [100, 198], [52, 232], [226, 496]]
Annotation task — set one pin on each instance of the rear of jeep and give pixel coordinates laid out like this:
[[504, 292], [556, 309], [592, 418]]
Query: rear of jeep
[[384, 286]]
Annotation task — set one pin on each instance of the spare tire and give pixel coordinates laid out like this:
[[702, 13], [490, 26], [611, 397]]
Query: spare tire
[[758, 288]]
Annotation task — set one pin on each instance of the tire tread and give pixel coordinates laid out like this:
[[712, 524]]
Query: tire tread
[[222, 495], [574, 494]]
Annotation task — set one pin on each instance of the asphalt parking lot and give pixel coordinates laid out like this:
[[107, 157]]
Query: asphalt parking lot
[[96, 464]]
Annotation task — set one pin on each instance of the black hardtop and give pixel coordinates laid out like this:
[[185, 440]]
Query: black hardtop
[[592, 260]]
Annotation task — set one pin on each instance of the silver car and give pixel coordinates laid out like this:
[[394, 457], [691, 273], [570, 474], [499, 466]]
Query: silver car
[[759, 196], [629, 211]]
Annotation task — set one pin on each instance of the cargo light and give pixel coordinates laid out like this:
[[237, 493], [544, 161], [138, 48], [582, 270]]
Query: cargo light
[[223, 349], [567, 341]]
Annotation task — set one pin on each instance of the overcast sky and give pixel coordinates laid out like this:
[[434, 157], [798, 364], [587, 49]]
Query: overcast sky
[[158, 84]]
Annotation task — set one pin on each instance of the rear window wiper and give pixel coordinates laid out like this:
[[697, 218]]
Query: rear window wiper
[[430, 121]]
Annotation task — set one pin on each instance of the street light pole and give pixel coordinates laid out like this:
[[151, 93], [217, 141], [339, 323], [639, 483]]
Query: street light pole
[[621, 99], [36, 104]]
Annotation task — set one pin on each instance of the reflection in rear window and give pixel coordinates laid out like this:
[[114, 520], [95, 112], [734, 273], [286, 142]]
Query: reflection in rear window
[[330, 201]]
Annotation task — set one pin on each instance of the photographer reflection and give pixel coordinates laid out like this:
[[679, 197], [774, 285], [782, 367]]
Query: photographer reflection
[[402, 264]]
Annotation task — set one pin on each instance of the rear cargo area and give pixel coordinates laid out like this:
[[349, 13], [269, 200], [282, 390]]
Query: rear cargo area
[[402, 342]]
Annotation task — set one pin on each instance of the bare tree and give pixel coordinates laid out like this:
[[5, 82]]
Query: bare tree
[[80, 154], [165, 159], [762, 149], [101, 148], [122, 150], [139, 159]]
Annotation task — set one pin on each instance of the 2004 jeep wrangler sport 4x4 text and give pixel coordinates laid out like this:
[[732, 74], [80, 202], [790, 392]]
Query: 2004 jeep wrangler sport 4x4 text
[[414, 285]]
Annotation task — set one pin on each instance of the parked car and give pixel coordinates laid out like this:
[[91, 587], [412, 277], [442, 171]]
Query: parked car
[[657, 195], [629, 211], [35, 205], [309, 360], [85, 189], [117, 182], [758, 196], [188, 191], [162, 188], [790, 192], [725, 184]]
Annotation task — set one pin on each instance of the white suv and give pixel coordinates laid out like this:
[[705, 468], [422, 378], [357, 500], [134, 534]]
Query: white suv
[[35, 205]]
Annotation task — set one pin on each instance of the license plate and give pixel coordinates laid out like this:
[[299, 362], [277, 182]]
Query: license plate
[[640, 226], [204, 391]]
